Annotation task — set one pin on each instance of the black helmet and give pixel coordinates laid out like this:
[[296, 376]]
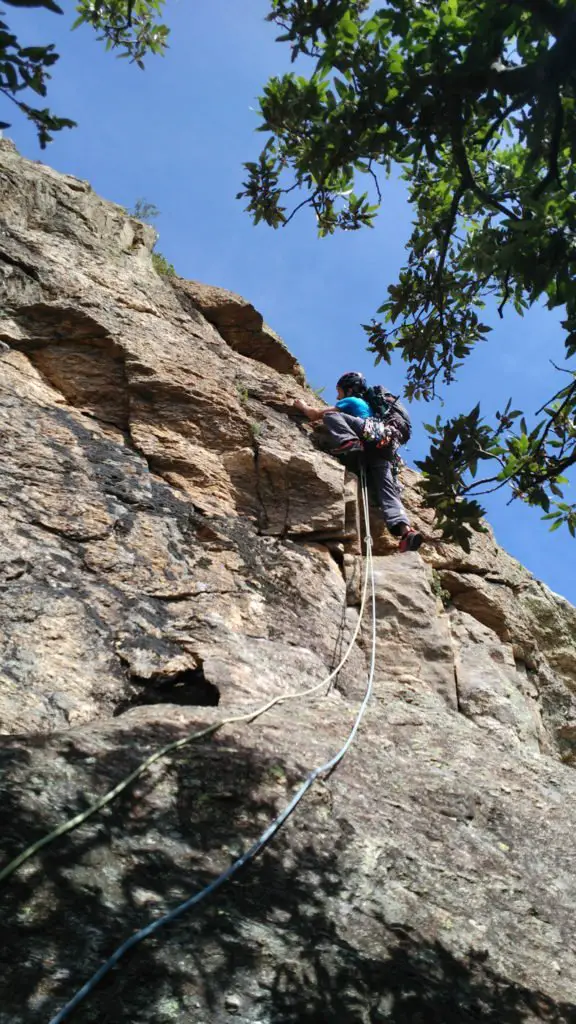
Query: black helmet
[[352, 382]]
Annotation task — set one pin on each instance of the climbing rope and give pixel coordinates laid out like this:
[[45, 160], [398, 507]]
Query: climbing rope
[[319, 772], [170, 748]]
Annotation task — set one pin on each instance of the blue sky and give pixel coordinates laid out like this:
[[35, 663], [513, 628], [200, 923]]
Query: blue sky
[[177, 134]]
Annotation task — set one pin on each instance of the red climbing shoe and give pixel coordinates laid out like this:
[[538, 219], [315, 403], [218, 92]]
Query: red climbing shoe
[[349, 455], [347, 448], [411, 541]]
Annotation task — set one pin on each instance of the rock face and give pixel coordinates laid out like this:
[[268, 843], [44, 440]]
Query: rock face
[[174, 539], [240, 325]]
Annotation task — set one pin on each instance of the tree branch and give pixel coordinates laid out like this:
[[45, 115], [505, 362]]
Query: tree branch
[[516, 102], [564, 464], [376, 183], [553, 173], [553, 418], [468, 179], [488, 490], [8, 95], [452, 215], [506, 295], [571, 389], [286, 191], [305, 202]]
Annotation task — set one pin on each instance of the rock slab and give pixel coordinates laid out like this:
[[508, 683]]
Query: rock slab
[[174, 547]]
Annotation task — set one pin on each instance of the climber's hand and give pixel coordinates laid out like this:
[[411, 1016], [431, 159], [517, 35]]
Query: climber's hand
[[307, 410]]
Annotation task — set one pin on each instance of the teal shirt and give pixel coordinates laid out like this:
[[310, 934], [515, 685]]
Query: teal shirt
[[354, 407]]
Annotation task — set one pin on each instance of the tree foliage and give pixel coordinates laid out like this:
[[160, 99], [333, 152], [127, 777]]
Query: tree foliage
[[132, 27], [145, 211], [148, 212], [474, 100]]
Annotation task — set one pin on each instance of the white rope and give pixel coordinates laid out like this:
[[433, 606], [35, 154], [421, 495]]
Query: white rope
[[319, 772]]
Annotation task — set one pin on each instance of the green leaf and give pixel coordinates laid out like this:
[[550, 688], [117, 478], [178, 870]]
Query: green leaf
[[341, 88], [346, 28], [523, 443], [35, 53], [11, 77]]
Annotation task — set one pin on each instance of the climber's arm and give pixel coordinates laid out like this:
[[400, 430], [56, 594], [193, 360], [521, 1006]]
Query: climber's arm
[[310, 412]]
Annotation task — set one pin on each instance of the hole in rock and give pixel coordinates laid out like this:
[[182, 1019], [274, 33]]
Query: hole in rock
[[189, 688]]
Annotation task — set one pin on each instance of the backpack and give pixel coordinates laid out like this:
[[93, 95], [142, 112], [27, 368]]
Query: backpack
[[387, 408]]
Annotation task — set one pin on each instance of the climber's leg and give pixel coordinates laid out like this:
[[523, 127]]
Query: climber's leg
[[344, 432], [392, 509]]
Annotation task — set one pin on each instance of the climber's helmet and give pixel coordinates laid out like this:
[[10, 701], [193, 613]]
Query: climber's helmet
[[352, 383]]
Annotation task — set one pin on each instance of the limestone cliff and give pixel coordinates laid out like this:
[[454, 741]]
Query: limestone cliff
[[173, 539]]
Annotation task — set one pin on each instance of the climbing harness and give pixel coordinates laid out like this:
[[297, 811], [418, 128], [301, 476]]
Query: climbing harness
[[387, 408]]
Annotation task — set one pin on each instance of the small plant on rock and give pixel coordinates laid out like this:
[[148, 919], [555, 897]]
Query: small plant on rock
[[439, 591], [162, 266]]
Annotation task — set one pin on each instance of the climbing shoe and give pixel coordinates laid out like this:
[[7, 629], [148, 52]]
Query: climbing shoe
[[411, 541], [350, 455], [347, 448]]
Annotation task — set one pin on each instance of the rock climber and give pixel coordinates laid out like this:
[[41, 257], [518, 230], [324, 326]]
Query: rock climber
[[351, 425]]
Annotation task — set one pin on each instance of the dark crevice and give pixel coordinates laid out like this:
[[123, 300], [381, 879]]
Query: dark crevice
[[463, 570], [188, 688], [486, 574], [336, 553], [11, 571], [189, 595], [457, 690], [335, 536], [335, 549], [20, 264], [47, 323], [70, 535], [105, 423]]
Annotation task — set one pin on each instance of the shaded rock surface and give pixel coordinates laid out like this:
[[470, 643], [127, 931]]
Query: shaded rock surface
[[174, 547]]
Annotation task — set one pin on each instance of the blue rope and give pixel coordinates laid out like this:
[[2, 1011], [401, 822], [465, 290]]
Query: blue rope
[[272, 829]]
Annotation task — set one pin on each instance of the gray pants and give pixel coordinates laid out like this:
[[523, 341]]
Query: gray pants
[[341, 427]]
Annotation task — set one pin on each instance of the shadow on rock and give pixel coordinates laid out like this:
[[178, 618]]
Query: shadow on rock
[[417, 982], [271, 947]]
